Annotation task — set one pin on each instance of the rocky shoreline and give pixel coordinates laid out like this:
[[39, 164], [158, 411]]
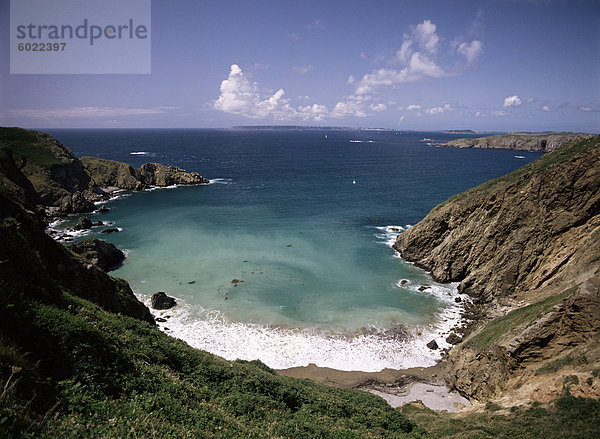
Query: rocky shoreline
[[537, 142]]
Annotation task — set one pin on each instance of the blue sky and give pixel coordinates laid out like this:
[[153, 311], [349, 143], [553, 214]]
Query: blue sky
[[503, 65]]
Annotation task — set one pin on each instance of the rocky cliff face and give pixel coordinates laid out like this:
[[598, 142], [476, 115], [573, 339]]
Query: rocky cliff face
[[30, 257], [43, 174], [112, 174], [523, 243], [521, 142]]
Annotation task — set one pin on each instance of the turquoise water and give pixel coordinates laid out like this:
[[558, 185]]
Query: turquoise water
[[286, 256]]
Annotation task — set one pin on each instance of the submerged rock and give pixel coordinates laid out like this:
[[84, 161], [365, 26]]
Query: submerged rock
[[113, 230], [160, 300]]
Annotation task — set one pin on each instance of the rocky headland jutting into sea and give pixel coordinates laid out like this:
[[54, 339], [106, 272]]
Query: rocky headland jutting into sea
[[544, 142], [525, 247], [46, 175]]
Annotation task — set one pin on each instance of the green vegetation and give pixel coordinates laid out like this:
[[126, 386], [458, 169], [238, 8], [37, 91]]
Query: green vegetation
[[495, 329], [555, 365], [562, 155], [567, 417], [31, 145]]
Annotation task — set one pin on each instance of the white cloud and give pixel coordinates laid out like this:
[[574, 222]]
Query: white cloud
[[378, 107], [471, 50], [400, 119], [314, 112], [587, 109], [420, 66], [418, 55], [413, 107], [240, 96], [512, 101], [546, 108], [350, 80], [426, 36], [437, 110], [403, 54], [499, 113], [303, 69], [479, 114], [350, 107]]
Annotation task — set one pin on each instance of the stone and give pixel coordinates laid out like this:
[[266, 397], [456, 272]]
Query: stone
[[160, 300], [424, 287], [84, 223], [100, 253], [107, 231], [432, 345], [103, 209], [453, 339]]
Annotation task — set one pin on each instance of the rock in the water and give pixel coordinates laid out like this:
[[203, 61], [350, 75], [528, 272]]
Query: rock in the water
[[84, 223], [457, 299], [161, 301], [453, 339], [423, 287], [113, 230], [432, 345], [100, 253], [103, 209]]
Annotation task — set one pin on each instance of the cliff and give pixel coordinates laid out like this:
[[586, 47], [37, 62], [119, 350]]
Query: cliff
[[517, 141], [526, 248], [43, 174], [112, 174]]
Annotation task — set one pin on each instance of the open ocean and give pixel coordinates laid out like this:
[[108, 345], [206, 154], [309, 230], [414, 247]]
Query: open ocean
[[286, 256]]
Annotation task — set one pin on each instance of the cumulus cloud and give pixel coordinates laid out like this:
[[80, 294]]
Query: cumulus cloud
[[419, 55], [499, 113], [378, 107], [314, 112], [413, 107], [512, 101], [426, 36], [401, 118], [470, 50], [437, 110], [240, 96], [546, 108]]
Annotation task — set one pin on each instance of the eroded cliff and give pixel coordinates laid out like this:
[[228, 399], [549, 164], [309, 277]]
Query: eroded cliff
[[519, 246]]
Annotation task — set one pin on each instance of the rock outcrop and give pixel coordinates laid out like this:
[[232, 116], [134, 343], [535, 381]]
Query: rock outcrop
[[522, 232], [526, 248], [100, 253], [517, 141], [44, 175], [110, 174], [32, 257], [160, 300]]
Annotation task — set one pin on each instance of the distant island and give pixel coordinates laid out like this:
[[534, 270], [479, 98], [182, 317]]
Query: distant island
[[544, 142]]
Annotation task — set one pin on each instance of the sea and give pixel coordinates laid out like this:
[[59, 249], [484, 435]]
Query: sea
[[286, 255]]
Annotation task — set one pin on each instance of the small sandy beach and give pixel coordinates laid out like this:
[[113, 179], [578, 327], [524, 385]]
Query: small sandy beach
[[397, 387]]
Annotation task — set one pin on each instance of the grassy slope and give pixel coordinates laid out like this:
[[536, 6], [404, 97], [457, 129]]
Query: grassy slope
[[555, 158]]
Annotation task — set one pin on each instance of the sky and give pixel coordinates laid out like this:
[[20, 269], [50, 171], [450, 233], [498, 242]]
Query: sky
[[497, 65]]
